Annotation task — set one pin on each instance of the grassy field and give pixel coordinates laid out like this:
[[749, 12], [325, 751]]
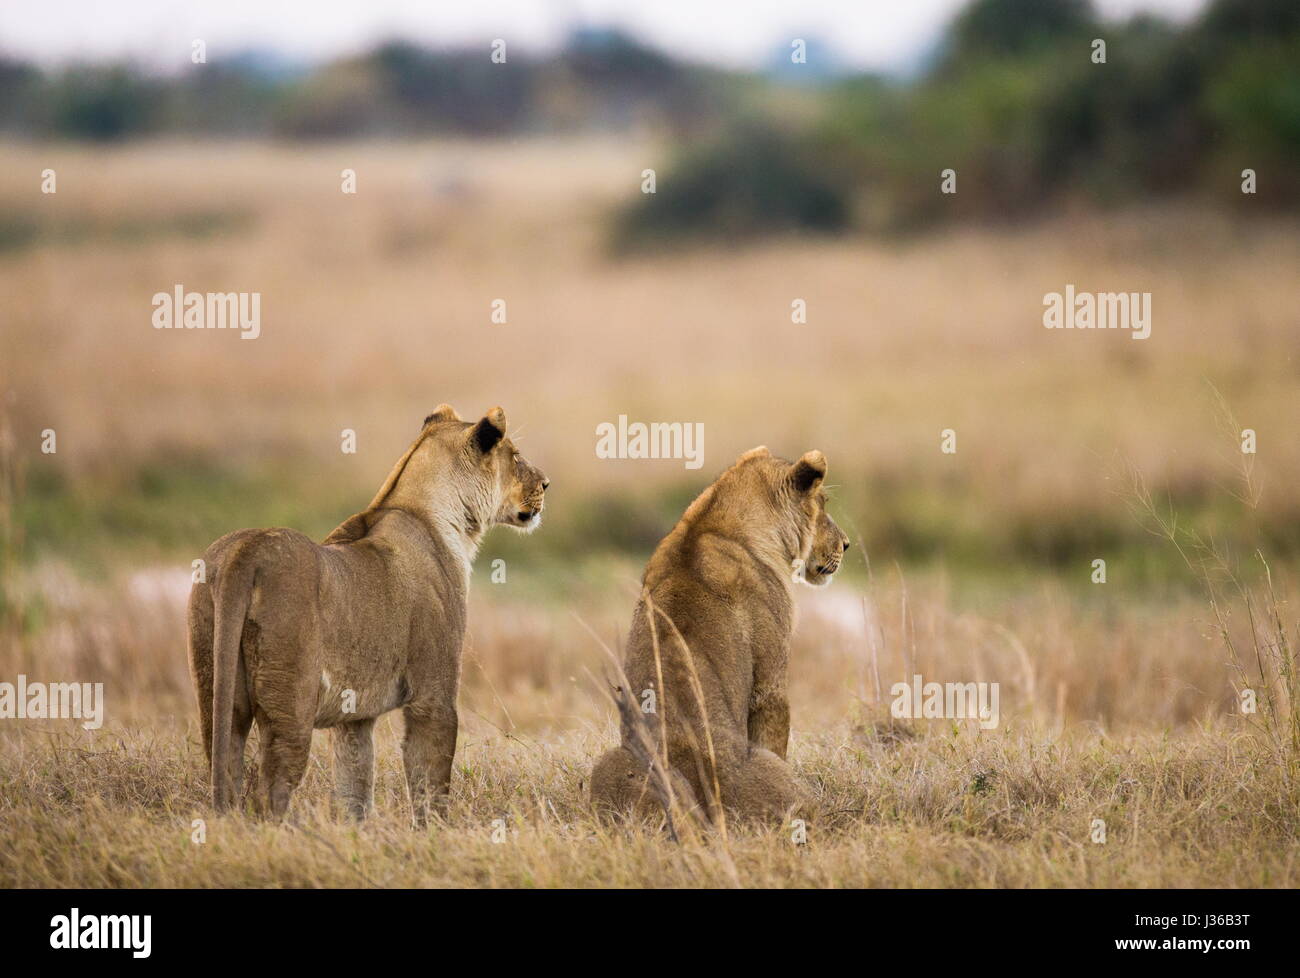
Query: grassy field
[[1094, 725], [1118, 700], [1014, 809]]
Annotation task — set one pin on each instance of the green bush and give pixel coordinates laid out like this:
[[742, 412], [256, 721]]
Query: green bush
[[755, 179]]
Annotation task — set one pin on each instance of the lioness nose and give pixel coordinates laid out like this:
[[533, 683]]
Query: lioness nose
[[546, 483], [846, 544]]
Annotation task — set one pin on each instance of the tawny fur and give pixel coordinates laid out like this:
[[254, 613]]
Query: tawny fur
[[716, 601], [298, 635]]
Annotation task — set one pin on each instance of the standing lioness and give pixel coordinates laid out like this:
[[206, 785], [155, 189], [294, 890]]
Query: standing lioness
[[298, 635], [710, 641]]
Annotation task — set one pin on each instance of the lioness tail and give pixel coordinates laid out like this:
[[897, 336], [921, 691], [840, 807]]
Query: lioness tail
[[230, 602]]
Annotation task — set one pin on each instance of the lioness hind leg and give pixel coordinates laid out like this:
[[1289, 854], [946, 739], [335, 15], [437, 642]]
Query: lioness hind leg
[[243, 722], [354, 768], [620, 785], [283, 694], [284, 761], [763, 785]]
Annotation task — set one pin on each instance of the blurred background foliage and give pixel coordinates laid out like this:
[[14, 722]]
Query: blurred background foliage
[[1011, 100]]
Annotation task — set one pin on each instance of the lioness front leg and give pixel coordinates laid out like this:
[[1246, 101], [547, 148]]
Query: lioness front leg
[[769, 722], [427, 753], [354, 768]]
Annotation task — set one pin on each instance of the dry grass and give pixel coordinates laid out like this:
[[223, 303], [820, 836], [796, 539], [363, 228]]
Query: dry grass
[[1014, 808], [1092, 726]]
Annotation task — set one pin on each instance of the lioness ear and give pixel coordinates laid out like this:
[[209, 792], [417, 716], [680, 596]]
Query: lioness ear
[[759, 452], [490, 430], [809, 471], [444, 412]]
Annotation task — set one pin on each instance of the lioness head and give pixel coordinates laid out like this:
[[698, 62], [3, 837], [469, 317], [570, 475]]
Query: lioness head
[[803, 533], [468, 473], [494, 468]]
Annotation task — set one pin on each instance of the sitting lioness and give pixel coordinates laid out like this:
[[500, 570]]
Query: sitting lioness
[[298, 635], [710, 642]]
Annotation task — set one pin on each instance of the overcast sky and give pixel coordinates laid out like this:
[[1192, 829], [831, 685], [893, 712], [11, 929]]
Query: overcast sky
[[882, 35]]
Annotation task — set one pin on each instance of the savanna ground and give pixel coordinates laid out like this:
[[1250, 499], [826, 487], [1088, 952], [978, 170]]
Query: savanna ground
[[1119, 701]]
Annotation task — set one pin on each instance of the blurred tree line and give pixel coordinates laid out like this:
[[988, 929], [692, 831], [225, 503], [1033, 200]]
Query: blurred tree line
[[1013, 101], [601, 79], [1015, 104]]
